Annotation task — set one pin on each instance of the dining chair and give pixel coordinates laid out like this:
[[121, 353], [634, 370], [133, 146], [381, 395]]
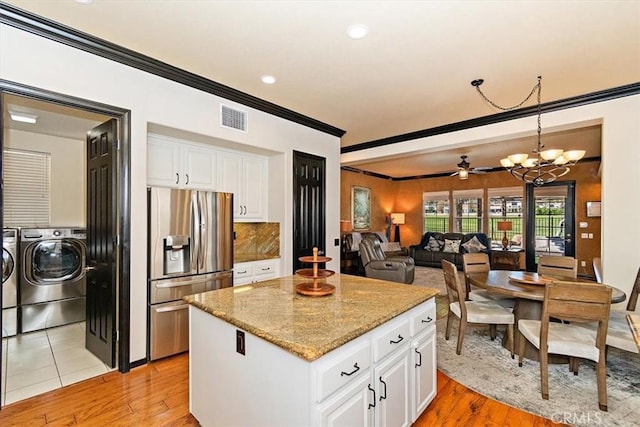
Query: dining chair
[[575, 303], [597, 269], [559, 266], [479, 263], [619, 333], [484, 312]]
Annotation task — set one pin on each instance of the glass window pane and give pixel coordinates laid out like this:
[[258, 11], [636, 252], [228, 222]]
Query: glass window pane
[[435, 212]]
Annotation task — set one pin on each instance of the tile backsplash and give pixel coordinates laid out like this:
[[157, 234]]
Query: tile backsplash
[[256, 240]]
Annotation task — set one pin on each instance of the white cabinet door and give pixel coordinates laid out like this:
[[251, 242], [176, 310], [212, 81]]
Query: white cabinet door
[[246, 177], [392, 390], [163, 163], [230, 178], [177, 164], [255, 271], [199, 167], [348, 408], [423, 361], [255, 189]]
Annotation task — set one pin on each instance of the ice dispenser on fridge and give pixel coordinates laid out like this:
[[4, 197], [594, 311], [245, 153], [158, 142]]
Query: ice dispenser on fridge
[[177, 255]]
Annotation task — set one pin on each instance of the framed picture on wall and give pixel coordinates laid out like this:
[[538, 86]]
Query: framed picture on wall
[[360, 208]]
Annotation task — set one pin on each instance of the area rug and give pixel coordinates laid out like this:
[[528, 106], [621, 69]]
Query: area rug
[[486, 367]]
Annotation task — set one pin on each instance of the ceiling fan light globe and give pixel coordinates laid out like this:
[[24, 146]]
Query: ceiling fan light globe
[[551, 154], [518, 158], [464, 174], [574, 155], [506, 163]]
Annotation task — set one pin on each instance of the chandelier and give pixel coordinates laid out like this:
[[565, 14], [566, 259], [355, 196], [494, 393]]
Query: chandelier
[[545, 165]]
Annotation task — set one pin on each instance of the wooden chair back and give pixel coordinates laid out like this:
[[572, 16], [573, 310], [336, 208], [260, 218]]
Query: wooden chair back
[[475, 263], [455, 290], [597, 269], [559, 266], [633, 297]]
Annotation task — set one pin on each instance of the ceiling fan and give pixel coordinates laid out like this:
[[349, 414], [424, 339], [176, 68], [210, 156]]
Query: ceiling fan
[[464, 169]]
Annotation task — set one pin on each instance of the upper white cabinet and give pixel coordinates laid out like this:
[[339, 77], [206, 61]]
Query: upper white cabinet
[[177, 164], [246, 177]]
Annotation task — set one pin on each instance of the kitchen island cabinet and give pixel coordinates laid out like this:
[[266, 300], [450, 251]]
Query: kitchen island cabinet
[[261, 354]]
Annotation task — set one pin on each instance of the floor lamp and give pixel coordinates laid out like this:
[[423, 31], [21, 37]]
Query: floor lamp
[[397, 219]]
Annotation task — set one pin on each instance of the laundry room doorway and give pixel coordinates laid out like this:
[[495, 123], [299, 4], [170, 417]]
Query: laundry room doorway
[[67, 134]]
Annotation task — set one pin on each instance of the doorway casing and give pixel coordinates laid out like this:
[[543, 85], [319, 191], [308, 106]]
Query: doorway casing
[[122, 237]]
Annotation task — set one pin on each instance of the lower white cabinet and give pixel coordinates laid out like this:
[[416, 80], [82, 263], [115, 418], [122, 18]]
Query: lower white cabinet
[[255, 271], [385, 377]]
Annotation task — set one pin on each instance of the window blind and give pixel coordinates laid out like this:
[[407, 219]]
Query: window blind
[[27, 188]]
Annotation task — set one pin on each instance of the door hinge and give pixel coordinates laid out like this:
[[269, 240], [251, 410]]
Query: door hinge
[[116, 240], [116, 335], [117, 144]]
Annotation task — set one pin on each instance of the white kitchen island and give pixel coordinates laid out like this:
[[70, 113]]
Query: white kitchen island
[[262, 355]]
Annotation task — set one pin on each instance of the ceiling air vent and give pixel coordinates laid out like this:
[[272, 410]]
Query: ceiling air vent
[[233, 119]]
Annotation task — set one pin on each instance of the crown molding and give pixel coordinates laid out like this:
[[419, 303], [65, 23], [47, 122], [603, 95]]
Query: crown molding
[[562, 104], [32, 23]]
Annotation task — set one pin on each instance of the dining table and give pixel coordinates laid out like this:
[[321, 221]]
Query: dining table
[[527, 289]]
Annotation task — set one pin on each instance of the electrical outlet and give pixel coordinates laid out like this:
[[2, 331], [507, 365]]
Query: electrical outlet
[[583, 263], [584, 235], [240, 343], [336, 242]]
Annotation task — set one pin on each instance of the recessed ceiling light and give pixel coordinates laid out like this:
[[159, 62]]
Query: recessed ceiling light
[[23, 117], [84, 1], [357, 31], [269, 80]]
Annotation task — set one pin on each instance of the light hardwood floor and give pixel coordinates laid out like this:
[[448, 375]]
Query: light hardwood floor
[[157, 394]]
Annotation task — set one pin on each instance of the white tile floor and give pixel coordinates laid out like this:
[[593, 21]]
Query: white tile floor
[[41, 361]]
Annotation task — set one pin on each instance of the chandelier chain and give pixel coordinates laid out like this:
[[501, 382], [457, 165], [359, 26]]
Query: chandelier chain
[[493, 104]]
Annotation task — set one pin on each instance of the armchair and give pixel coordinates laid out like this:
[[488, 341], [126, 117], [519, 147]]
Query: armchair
[[378, 266]]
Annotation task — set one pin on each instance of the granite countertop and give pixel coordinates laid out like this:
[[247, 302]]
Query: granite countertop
[[310, 327], [253, 257]]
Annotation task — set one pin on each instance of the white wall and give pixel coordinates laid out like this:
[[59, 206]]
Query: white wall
[[35, 61], [67, 174], [620, 119]]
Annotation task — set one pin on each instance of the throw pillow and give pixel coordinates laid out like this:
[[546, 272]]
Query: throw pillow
[[451, 246], [434, 245], [474, 245]]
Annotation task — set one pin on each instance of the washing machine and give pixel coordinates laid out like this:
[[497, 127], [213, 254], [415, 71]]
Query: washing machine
[[52, 280], [10, 273]]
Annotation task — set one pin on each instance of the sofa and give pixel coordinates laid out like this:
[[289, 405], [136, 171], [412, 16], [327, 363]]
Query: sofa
[[435, 246]]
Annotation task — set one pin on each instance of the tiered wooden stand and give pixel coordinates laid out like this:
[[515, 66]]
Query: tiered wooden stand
[[316, 288]]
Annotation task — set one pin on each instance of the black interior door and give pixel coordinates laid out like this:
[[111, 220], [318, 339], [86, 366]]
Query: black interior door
[[101, 241], [308, 206]]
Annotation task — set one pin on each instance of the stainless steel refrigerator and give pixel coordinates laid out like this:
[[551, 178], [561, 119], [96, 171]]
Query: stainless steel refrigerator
[[190, 251]]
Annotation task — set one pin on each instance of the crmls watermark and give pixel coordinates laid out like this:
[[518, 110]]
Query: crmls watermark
[[578, 418]]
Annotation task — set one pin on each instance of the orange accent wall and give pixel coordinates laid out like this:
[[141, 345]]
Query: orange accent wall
[[406, 196]]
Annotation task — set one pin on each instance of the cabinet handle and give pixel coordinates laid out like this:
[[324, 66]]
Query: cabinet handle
[[374, 397], [177, 177], [400, 338], [266, 269], [385, 390], [187, 182], [420, 360], [357, 368], [429, 320]]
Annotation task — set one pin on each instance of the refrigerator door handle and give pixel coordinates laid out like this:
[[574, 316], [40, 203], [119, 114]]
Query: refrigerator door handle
[[202, 228], [195, 232], [178, 284]]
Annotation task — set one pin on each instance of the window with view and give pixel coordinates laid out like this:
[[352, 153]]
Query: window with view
[[467, 211], [505, 204], [436, 211]]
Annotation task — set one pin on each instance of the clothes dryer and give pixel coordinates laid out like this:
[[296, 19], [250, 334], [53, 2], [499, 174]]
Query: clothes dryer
[[52, 279]]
